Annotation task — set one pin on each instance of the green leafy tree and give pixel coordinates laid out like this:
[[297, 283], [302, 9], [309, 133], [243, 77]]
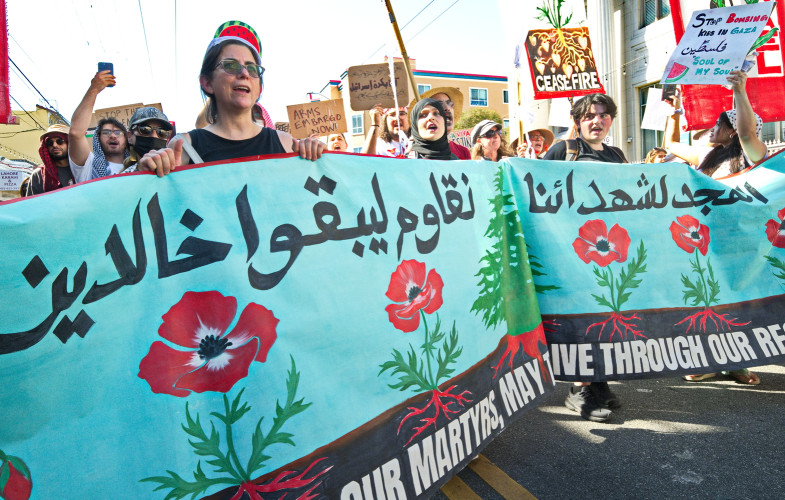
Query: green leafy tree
[[475, 115]]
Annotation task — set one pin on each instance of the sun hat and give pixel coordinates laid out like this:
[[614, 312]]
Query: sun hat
[[57, 128], [455, 95]]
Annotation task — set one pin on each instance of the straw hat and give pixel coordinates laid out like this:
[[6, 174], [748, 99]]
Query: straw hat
[[546, 134], [455, 95]]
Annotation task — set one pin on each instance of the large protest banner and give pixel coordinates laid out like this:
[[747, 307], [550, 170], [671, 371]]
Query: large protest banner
[[652, 272], [357, 327], [766, 86], [351, 328]]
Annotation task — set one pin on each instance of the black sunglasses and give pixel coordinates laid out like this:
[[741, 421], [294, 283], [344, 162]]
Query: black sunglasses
[[489, 134], [51, 142]]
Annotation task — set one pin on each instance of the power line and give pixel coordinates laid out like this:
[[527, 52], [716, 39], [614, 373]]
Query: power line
[[39, 92], [434, 19], [147, 46], [404, 26], [27, 113]]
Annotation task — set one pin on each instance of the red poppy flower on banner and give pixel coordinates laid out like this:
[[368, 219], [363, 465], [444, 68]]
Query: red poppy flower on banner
[[690, 234], [596, 243], [412, 292], [774, 230], [210, 359]]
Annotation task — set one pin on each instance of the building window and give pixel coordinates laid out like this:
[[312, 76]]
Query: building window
[[479, 97], [769, 132], [357, 124], [423, 88], [652, 10], [358, 150], [506, 96], [506, 123]]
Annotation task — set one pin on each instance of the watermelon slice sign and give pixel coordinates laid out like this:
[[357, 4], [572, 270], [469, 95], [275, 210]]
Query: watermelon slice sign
[[676, 73]]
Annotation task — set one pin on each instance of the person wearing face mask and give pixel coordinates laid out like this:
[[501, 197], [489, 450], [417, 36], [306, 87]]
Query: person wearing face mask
[[429, 131], [149, 129]]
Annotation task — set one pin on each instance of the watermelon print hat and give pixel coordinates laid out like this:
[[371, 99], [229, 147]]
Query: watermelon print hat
[[238, 31]]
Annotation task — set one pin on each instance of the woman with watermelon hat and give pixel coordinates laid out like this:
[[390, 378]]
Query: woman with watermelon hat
[[734, 138], [231, 77]]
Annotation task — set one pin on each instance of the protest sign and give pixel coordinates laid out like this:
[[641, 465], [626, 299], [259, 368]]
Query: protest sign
[[282, 126], [318, 117], [562, 63], [715, 43], [462, 137], [371, 84], [122, 114], [657, 111], [702, 104], [383, 319]]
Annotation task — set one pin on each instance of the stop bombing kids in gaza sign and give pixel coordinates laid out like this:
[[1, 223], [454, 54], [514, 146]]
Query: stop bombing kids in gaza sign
[[716, 43]]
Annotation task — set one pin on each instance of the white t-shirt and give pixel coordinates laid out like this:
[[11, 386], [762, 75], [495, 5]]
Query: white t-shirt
[[396, 149], [84, 172]]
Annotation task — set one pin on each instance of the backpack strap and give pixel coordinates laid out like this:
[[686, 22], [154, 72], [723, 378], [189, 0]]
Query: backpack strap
[[571, 153], [188, 150]]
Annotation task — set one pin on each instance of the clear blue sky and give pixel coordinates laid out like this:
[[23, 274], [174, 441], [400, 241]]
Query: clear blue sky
[[305, 43]]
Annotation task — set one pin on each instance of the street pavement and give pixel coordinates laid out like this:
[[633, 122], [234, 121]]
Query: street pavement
[[715, 439]]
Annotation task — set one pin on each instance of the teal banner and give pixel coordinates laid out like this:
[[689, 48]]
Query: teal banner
[[356, 327]]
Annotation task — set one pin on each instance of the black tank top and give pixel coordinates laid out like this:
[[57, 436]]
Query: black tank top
[[215, 148]]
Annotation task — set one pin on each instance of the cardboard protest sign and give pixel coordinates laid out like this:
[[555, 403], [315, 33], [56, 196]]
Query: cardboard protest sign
[[562, 63], [282, 126], [319, 117], [765, 87], [715, 43], [371, 84], [462, 137], [122, 114]]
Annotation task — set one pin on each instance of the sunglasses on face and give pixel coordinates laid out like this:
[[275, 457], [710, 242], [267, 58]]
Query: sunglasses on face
[[107, 133], [236, 68], [147, 131], [51, 142], [489, 134]]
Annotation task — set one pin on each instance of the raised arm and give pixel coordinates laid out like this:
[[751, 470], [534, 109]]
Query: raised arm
[[672, 142], [373, 132], [746, 127], [79, 147]]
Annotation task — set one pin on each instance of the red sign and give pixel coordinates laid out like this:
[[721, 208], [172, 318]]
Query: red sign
[[562, 63]]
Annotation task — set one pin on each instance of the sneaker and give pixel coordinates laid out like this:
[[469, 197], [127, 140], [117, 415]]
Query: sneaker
[[582, 400], [604, 396]]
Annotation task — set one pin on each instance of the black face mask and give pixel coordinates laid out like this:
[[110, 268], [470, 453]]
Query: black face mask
[[143, 145]]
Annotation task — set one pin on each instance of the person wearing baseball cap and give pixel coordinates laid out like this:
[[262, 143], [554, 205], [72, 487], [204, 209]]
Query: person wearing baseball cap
[[149, 129], [56, 171], [488, 141]]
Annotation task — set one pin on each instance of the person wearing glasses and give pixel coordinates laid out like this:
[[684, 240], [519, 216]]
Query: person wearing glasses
[[488, 142], [231, 77], [149, 129], [109, 148], [56, 171]]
